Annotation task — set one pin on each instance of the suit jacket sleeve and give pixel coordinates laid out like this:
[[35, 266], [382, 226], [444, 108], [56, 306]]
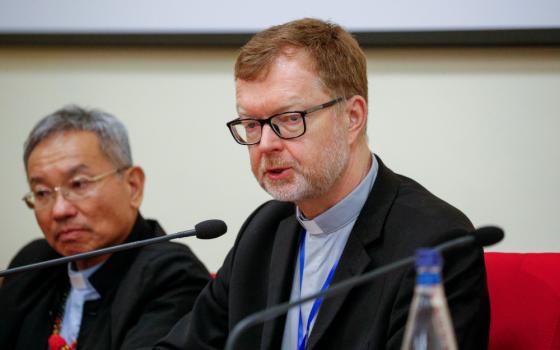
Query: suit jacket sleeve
[[209, 323], [171, 279]]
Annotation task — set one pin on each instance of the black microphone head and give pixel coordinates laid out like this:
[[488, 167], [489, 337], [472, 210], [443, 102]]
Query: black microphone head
[[488, 235], [210, 229]]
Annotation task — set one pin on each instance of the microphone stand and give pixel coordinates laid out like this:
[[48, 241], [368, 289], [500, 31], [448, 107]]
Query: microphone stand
[[98, 252], [204, 230]]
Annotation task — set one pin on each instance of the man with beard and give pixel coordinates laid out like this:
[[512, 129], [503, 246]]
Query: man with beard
[[85, 194], [301, 93]]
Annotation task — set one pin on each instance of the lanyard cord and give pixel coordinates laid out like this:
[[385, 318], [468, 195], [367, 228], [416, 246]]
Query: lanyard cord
[[302, 338]]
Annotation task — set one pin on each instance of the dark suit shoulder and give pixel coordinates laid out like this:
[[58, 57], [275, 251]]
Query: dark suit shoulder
[[34, 251], [259, 229], [422, 207], [161, 255], [165, 256], [266, 216]]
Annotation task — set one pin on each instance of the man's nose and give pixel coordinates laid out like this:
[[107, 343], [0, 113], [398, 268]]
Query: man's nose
[[62, 207], [270, 141]]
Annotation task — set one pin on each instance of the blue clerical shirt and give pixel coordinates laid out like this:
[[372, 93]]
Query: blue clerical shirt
[[325, 240], [81, 291]]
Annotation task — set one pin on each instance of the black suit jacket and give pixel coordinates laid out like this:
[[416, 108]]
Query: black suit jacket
[[398, 217], [143, 293]]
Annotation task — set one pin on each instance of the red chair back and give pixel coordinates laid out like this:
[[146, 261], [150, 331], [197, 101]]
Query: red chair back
[[524, 300]]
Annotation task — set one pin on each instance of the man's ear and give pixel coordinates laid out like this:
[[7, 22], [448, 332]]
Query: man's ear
[[134, 177], [356, 112]]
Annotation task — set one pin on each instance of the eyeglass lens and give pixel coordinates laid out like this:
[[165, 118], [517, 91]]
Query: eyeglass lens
[[285, 125]]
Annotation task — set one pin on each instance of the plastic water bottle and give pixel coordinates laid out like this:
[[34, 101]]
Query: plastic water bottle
[[429, 324]]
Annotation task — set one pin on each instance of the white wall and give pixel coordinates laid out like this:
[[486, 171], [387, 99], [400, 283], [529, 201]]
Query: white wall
[[178, 16], [478, 127]]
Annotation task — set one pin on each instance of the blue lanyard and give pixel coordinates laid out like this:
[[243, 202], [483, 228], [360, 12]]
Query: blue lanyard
[[302, 338]]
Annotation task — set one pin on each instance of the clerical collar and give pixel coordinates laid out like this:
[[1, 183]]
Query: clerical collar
[[80, 279], [344, 211]]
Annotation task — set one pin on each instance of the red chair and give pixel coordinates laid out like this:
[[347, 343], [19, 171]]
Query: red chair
[[524, 300]]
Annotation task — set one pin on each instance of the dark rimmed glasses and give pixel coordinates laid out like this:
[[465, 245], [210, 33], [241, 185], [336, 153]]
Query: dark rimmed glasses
[[287, 125], [76, 189]]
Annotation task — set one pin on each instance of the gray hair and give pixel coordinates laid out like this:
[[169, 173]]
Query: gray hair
[[111, 133]]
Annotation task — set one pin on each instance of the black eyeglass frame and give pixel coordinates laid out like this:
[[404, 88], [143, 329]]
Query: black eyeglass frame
[[267, 121]]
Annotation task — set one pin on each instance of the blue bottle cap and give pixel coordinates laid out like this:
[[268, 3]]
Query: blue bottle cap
[[427, 257]]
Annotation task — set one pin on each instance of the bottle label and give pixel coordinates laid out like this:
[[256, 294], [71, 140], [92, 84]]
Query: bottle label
[[428, 278]]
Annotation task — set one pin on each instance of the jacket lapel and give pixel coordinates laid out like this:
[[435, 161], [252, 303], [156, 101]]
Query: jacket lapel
[[281, 274], [106, 281], [355, 258]]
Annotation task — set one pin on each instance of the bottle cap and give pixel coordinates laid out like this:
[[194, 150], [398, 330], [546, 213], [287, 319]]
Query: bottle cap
[[427, 257]]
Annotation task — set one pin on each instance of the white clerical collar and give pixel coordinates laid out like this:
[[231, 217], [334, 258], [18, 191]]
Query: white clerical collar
[[344, 211], [80, 279]]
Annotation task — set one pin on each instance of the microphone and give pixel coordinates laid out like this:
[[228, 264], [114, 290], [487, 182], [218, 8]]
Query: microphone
[[203, 230], [483, 236]]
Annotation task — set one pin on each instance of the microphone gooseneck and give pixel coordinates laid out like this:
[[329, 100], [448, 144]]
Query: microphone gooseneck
[[483, 236], [204, 230]]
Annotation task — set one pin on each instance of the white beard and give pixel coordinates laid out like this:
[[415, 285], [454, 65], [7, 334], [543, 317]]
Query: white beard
[[312, 181]]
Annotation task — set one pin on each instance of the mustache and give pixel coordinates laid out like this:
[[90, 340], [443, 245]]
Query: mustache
[[268, 162]]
